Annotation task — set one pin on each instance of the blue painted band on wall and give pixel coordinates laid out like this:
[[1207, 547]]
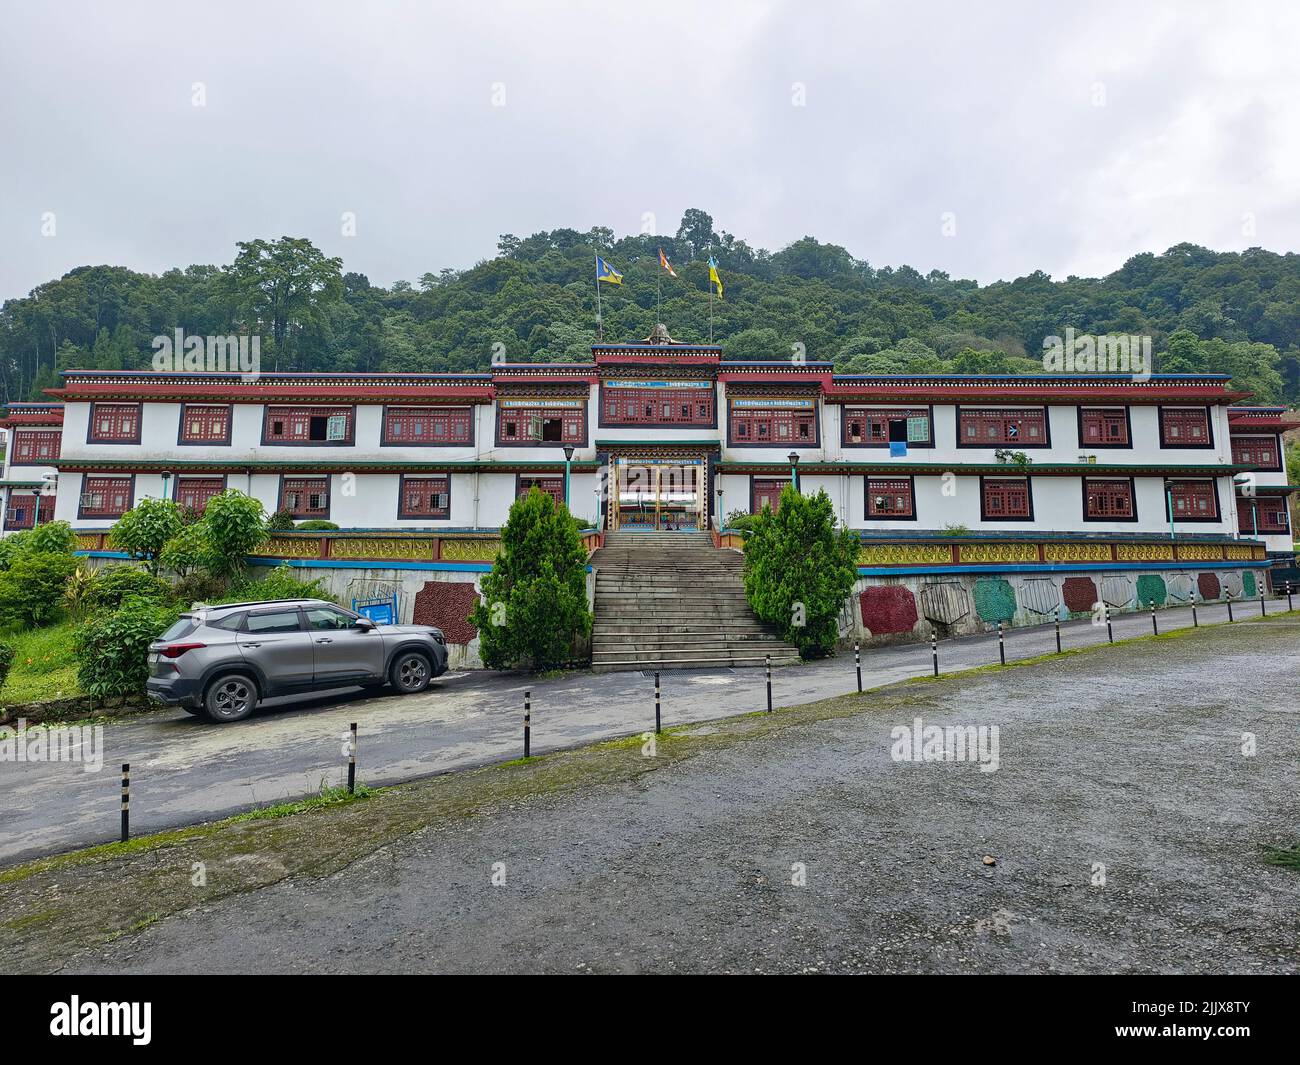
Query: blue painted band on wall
[[1052, 567]]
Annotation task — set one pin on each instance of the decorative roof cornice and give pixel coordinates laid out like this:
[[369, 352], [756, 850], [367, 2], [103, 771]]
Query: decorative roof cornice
[[320, 466], [89, 385], [996, 469]]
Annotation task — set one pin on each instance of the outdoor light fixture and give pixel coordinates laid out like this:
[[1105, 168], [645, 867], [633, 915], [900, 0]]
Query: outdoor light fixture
[[568, 457], [794, 469], [166, 480]]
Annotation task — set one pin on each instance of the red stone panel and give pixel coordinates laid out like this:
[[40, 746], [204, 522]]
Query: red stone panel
[[1080, 593], [447, 606], [888, 609], [1208, 585]]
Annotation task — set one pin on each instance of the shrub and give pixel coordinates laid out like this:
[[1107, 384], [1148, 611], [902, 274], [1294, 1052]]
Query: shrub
[[111, 586], [144, 529], [188, 551], [6, 661], [236, 526], [198, 587], [52, 538], [112, 649], [280, 521], [75, 591], [536, 595], [282, 582], [314, 524], [799, 569], [31, 589]]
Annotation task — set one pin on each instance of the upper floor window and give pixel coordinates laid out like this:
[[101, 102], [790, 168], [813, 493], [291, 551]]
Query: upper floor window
[[114, 423], [305, 497], [1194, 500], [195, 492], [623, 405], [1103, 427], [528, 423], [1259, 451], [872, 427], [1185, 427], [425, 497], [775, 423], [1006, 499], [35, 447], [890, 497], [105, 497], [766, 492], [551, 486], [203, 423], [428, 426], [996, 428], [308, 425], [1108, 500]]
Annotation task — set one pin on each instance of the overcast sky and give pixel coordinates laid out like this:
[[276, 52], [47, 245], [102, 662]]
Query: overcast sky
[[1062, 137]]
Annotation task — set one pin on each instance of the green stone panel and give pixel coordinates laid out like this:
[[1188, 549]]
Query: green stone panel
[[1151, 589], [1248, 586], [995, 600]]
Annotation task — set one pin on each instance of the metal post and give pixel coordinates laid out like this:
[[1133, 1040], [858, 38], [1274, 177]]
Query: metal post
[[352, 760], [656, 702], [1262, 611], [1228, 595], [768, 660], [857, 662], [1195, 623], [528, 722], [1155, 628], [934, 650], [1058, 635], [1002, 647], [1110, 632], [126, 801], [1289, 607]]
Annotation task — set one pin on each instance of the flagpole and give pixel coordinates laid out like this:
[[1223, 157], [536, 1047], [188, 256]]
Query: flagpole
[[710, 311], [659, 314], [600, 327]]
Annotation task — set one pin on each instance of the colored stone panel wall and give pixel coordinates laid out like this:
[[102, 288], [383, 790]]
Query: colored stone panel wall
[[995, 600], [447, 606], [888, 609], [1208, 585], [1117, 591], [1041, 596], [1249, 587], [1151, 589], [944, 602], [1080, 593]]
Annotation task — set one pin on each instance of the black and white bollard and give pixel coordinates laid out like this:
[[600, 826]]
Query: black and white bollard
[[352, 760], [934, 650], [1002, 647], [1262, 611], [126, 801], [768, 660], [1155, 627], [1228, 595], [1058, 635], [857, 662], [1110, 632], [656, 702], [1195, 623], [1289, 607], [528, 723]]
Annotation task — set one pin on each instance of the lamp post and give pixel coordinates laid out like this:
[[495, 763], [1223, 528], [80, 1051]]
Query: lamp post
[[568, 458], [720, 517], [794, 469], [36, 492], [166, 479], [1169, 504]]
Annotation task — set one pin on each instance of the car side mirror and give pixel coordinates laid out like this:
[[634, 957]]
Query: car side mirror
[[364, 624]]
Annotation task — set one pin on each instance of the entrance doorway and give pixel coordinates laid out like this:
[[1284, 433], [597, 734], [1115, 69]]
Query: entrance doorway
[[658, 495]]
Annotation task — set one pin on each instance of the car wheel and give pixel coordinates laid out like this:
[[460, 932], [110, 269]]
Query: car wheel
[[230, 698], [410, 672]]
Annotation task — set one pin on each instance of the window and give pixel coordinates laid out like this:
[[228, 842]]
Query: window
[[1194, 500], [1259, 451], [1103, 427], [425, 497], [105, 497], [428, 426], [890, 497], [656, 406], [114, 423], [305, 497], [21, 512], [1108, 500], [1006, 498], [766, 491], [551, 486], [998, 428], [194, 492], [274, 621], [1262, 516], [524, 426], [231, 623], [306, 426], [204, 424], [1185, 427], [327, 617], [35, 447], [755, 423], [869, 427]]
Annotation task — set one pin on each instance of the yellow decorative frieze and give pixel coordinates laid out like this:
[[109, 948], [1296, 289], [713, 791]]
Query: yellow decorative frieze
[[1240, 551], [905, 554], [384, 547], [470, 550], [290, 547], [1076, 552], [998, 553], [87, 541], [1200, 552], [1144, 552]]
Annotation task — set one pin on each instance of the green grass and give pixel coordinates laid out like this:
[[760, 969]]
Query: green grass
[[328, 797], [1287, 857], [44, 666]]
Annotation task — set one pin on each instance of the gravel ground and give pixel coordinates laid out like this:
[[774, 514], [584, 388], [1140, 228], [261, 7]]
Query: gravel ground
[[1128, 758]]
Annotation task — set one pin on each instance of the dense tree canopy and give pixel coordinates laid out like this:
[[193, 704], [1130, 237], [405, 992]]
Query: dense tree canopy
[[1230, 312]]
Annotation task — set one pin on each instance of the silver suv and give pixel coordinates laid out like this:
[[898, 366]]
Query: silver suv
[[222, 660]]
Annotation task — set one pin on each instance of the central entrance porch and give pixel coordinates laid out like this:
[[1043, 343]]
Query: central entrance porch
[[658, 493]]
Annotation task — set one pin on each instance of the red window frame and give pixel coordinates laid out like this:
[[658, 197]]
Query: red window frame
[[873, 425], [305, 497], [1006, 499], [890, 499], [766, 490], [20, 513], [1272, 516], [204, 423], [428, 426], [195, 492], [552, 486], [295, 426], [1018, 427], [1104, 427], [27, 442], [1260, 451], [772, 426], [1186, 427], [105, 497], [513, 425], [1193, 501], [425, 497], [657, 406], [1109, 499], [114, 423]]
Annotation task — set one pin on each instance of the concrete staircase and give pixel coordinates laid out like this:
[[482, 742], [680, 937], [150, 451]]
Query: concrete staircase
[[674, 601]]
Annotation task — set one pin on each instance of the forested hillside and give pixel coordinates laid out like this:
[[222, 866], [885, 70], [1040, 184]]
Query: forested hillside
[[1230, 312]]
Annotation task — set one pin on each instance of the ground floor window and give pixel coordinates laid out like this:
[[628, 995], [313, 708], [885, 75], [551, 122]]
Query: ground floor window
[[21, 511], [1108, 500], [890, 497], [194, 493], [551, 486], [1194, 500], [1261, 516], [305, 497], [1006, 499], [766, 492], [426, 497], [105, 497]]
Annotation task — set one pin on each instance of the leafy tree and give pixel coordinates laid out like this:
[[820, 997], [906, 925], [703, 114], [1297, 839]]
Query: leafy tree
[[800, 567], [144, 530], [32, 588], [235, 525], [188, 551], [535, 599]]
